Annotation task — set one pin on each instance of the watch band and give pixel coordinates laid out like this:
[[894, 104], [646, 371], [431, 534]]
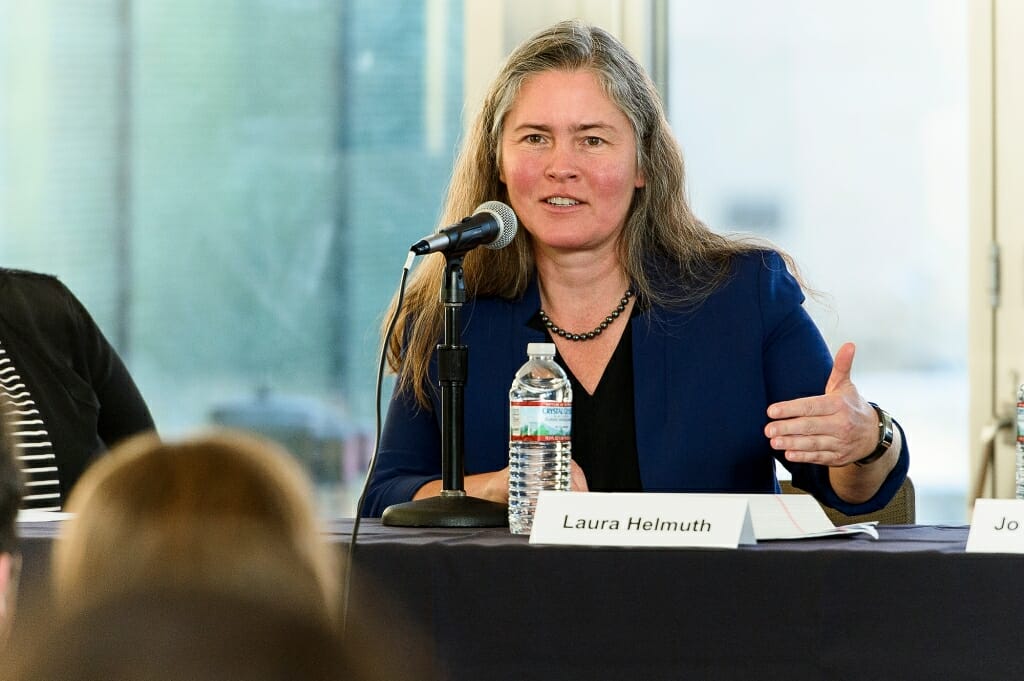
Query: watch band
[[884, 437]]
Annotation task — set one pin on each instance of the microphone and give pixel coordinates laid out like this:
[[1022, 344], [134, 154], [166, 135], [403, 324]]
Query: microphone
[[492, 224]]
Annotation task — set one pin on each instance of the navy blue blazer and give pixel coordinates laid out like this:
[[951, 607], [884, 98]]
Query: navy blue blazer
[[703, 379]]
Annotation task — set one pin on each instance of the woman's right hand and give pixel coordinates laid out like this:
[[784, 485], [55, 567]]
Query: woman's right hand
[[489, 486], [494, 486]]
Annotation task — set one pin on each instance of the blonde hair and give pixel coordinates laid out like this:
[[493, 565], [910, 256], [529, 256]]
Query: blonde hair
[[226, 510], [671, 257]]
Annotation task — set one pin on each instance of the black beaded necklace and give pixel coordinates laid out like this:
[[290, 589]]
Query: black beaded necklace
[[568, 335]]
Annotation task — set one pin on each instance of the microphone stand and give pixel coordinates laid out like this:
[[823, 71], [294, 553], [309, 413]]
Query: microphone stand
[[453, 508]]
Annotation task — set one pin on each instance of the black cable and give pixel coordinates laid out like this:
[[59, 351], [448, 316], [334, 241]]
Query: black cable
[[376, 443]]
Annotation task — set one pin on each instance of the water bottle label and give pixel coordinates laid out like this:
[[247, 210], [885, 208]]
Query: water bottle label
[[538, 421], [1020, 422], [1020, 413]]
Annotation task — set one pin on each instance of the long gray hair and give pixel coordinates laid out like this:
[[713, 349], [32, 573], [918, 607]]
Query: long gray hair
[[669, 255]]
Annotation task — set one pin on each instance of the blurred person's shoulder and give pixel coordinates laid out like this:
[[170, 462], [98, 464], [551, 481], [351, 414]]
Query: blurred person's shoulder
[[32, 287], [29, 280], [34, 303]]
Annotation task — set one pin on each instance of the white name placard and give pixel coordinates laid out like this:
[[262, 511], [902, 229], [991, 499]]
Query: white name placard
[[997, 526], [642, 519]]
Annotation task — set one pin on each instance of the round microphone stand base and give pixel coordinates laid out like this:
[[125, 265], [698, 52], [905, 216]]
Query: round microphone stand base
[[447, 511]]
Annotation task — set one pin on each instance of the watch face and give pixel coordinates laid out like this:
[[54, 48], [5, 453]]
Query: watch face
[[884, 437]]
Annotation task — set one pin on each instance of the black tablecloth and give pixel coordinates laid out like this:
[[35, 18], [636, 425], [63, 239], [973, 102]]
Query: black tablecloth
[[483, 604]]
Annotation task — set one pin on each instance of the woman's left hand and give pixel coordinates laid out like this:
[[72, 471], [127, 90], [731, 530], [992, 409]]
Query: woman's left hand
[[834, 429]]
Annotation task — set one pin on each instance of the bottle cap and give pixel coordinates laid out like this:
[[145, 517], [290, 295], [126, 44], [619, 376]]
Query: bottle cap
[[536, 349]]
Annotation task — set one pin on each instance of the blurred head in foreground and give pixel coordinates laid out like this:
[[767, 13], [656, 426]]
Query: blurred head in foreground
[[226, 512], [177, 633]]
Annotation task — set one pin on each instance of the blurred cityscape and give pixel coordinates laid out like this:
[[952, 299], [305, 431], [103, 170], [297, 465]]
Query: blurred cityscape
[[231, 188]]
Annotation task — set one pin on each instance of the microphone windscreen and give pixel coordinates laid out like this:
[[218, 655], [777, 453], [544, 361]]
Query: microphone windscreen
[[508, 224]]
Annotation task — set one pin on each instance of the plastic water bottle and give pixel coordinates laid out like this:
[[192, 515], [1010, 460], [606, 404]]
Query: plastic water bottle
[[540, 425], [1020, 442]]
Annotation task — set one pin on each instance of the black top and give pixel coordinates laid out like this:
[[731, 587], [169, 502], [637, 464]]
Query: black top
[[86, 398], [603, 425]]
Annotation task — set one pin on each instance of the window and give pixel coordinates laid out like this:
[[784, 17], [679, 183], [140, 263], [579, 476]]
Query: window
[[839, 131], [231, 188]]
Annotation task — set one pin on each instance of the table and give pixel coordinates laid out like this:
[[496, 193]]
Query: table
[[483, 604]]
